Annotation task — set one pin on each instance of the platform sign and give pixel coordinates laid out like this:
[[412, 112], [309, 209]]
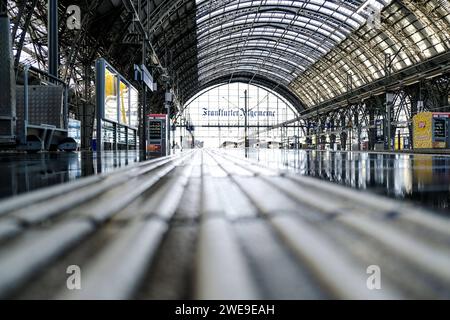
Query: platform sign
[[157, 135], [142, 74]]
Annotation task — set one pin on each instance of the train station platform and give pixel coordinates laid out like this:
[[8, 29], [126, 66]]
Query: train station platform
[[406, 151], [205, 224]]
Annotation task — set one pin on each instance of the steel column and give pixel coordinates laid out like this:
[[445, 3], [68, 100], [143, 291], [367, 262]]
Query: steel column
[[53, 44], [100, 88], [143, 115], [246, 142], [7, 82], [3, 7]]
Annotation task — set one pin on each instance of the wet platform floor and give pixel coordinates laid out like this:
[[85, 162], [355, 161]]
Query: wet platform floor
[[421, 178], [207, 224], [22, 172]]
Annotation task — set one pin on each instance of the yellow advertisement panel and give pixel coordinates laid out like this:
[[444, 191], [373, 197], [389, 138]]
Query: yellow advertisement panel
[[110, 95], [124, 103], [423, 130]]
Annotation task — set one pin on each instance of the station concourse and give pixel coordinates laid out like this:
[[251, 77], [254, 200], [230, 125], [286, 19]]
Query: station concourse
[[225, 150]]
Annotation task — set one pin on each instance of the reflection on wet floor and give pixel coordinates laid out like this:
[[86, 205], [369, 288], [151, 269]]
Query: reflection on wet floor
[[424, 179], [21, 173]]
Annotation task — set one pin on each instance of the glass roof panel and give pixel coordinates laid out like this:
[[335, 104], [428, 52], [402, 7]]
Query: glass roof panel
[[409, 33], [268, 37]]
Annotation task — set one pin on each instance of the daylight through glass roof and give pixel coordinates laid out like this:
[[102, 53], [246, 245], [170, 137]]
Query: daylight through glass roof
[[278, 39], [310, 51]]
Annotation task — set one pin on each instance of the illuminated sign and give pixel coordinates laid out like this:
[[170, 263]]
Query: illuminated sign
[[440, 128], [238, 113], [155, 130]]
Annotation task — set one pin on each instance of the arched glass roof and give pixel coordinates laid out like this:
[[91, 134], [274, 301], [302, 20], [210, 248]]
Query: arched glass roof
[[310, 51], [218, 115], [410, 32], [278, 39]]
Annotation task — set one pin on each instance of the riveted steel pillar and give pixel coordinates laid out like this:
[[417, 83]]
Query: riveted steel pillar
[[53, 44], [7, 80]]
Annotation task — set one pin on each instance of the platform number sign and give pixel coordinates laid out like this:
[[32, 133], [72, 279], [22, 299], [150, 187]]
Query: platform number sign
[[74, 17]]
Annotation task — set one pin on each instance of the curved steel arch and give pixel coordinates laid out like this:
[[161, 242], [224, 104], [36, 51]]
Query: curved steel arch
[[320, 43], [267, 38], [255, 52], [209, 70], [307, 31], [298, 56], [218, 83], [266, 29], [230, 33], [287, 43], [284, 9], [269, 71], [264, 82], [321, 19]]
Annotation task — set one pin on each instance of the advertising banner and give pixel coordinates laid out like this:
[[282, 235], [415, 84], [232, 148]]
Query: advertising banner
[[423, 130], [111, 95]]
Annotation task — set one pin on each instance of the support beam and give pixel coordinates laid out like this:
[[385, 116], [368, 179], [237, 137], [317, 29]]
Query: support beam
[[246, 143], [20, 46], [143, 113], [3, 7], [7, 83], [388, 121], [53, 43], [167, 104]]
